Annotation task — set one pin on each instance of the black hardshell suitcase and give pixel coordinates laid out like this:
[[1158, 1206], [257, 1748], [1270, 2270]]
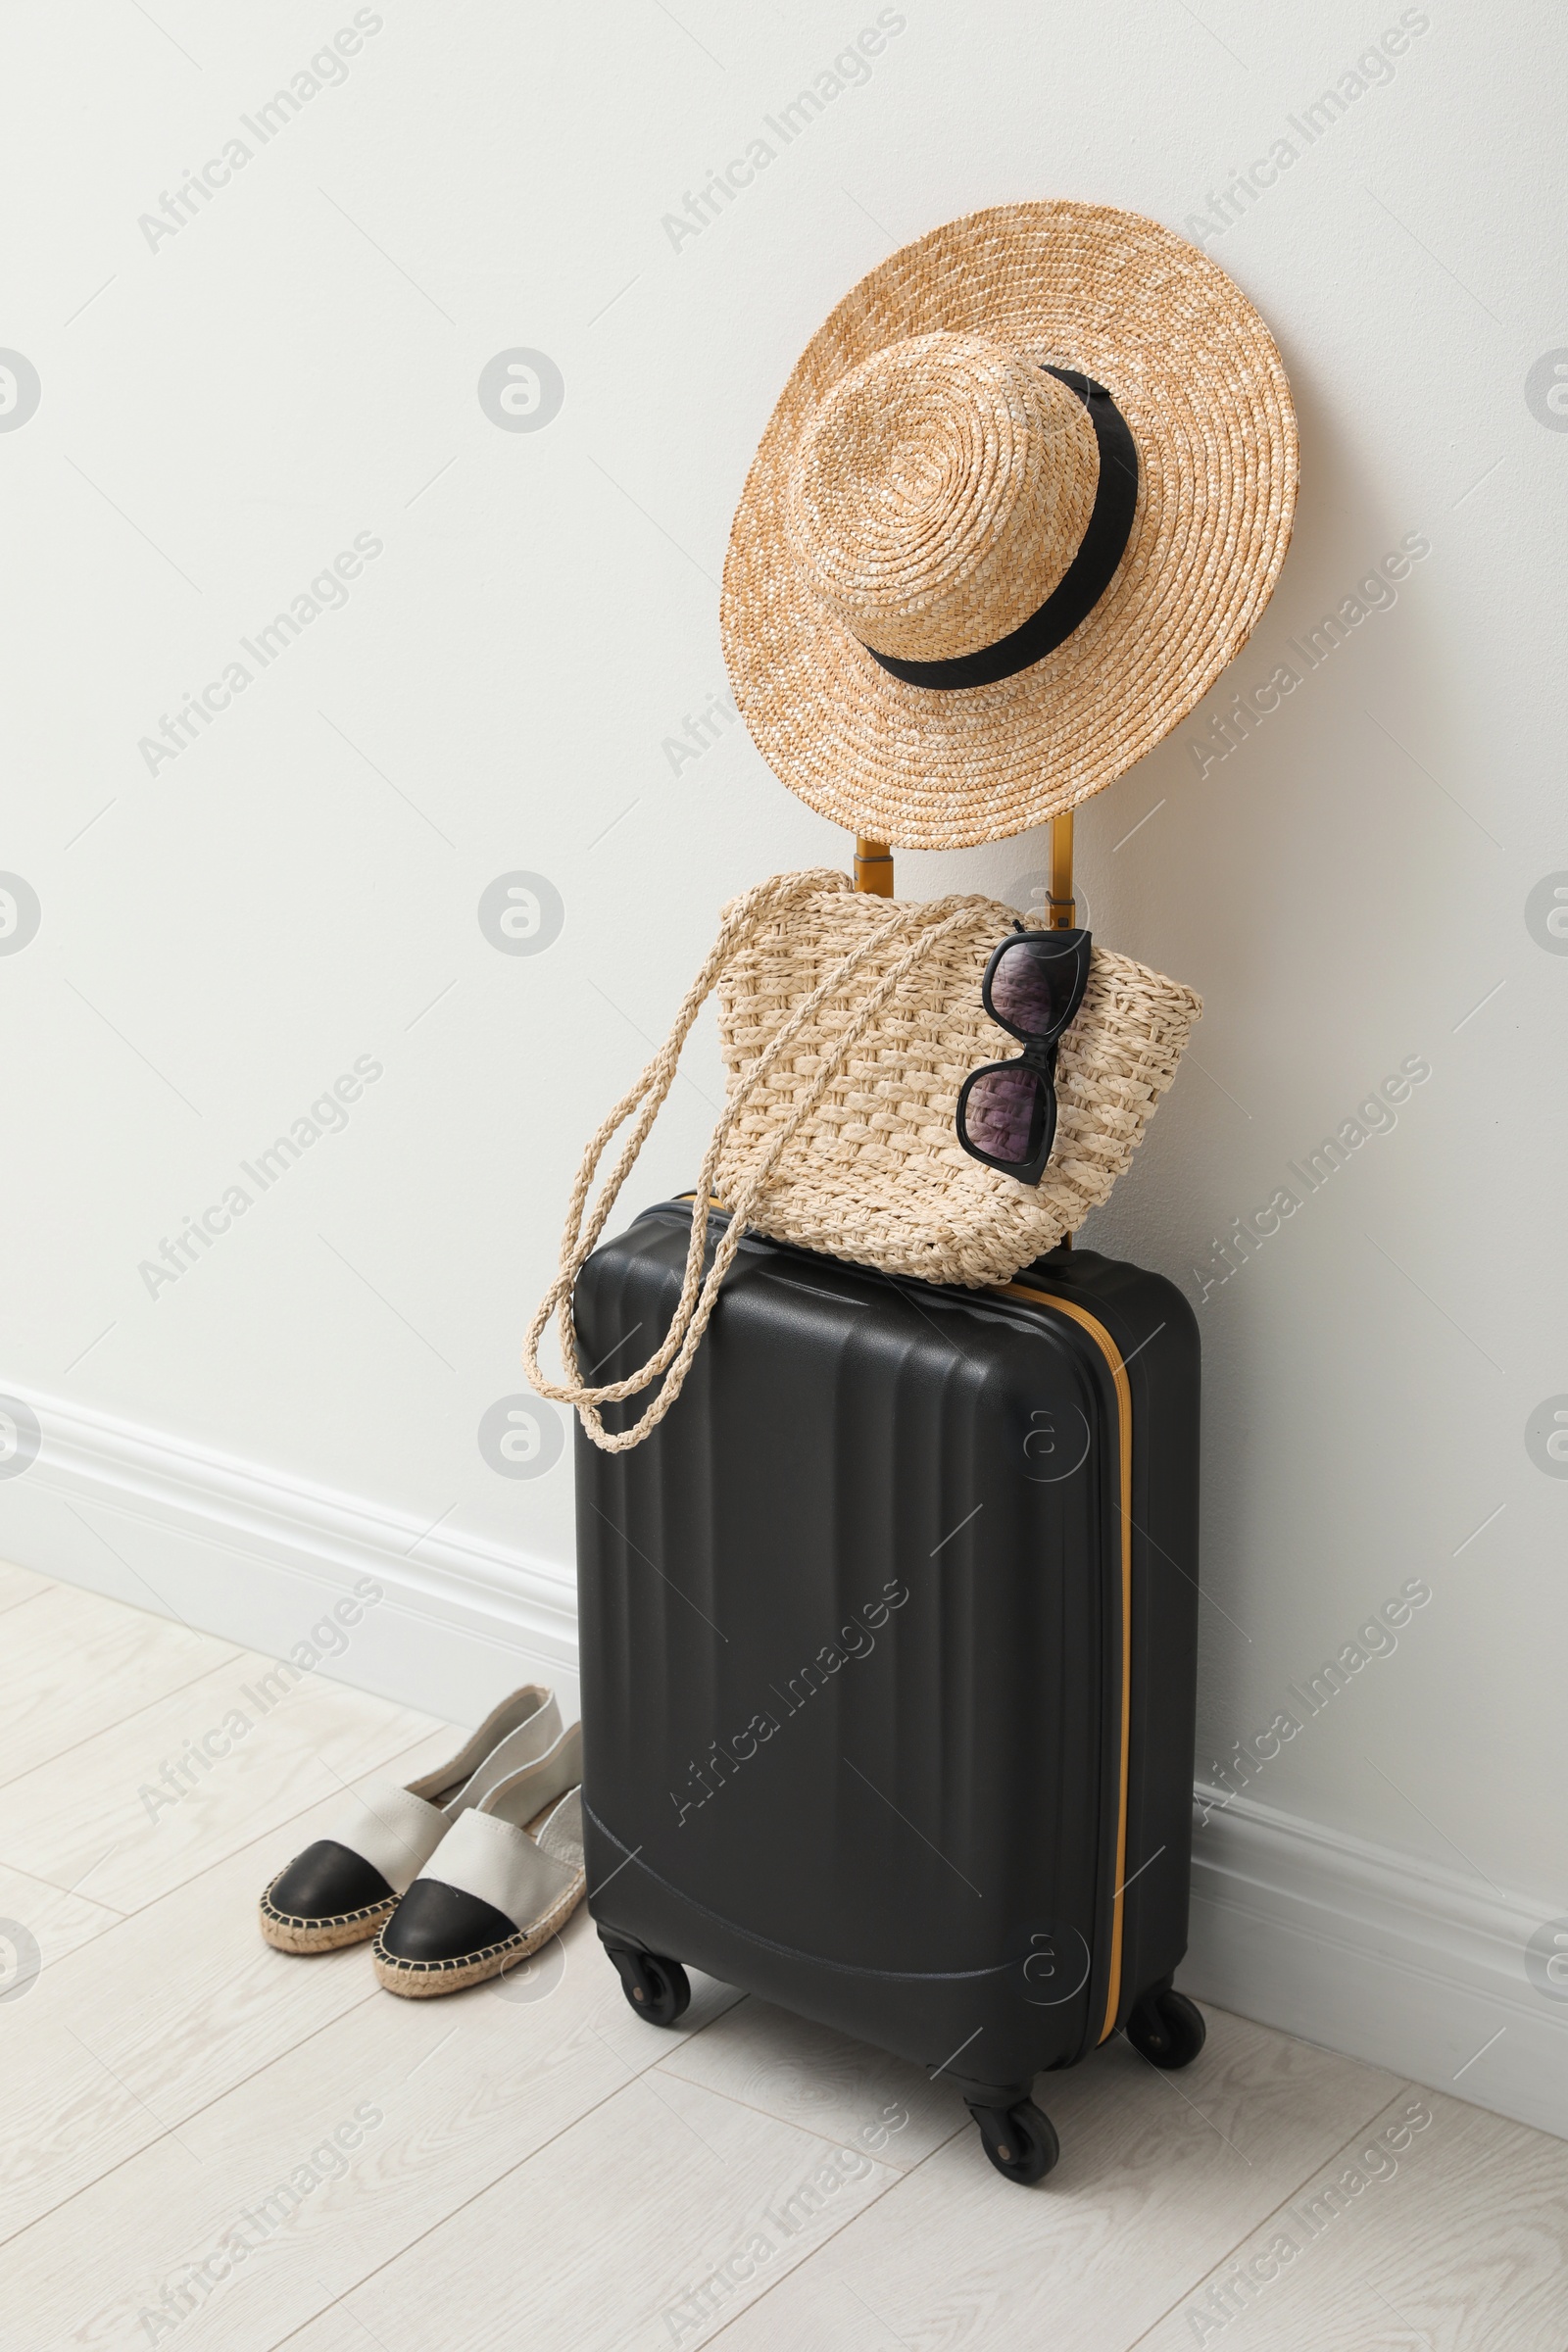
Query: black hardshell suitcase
[[889, 1659]]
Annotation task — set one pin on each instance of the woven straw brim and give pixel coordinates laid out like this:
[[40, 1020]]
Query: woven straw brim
[[1197, 375]]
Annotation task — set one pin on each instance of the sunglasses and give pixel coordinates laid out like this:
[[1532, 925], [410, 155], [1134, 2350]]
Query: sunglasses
[[1033, 986]]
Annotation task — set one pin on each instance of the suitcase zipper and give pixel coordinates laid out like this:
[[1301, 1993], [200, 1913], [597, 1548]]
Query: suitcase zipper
[[1124, 1435]]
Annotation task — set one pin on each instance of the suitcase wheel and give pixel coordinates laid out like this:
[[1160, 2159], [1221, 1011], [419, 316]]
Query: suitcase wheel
[[1021, 2141], [1166, 2028], [657, 1989]]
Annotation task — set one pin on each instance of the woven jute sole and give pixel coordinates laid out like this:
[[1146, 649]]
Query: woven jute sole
[[288, 1934], [420, 1980]]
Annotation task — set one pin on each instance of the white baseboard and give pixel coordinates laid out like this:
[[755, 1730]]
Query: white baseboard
[[1369, 1952], [1303, 1927], [258, 1558]]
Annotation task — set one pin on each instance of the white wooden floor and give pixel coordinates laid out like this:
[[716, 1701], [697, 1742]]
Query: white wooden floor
[[533, 2168]]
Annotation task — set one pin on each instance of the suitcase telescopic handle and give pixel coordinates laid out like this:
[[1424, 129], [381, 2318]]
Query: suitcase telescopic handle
[[873, 866], [873, 870], [1063, 908]]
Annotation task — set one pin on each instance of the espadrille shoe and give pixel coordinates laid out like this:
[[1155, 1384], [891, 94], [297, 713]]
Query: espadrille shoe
[[343, 1888], [497, 1890]]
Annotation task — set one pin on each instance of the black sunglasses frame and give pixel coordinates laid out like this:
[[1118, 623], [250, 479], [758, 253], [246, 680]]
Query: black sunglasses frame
[[1038, 1055]]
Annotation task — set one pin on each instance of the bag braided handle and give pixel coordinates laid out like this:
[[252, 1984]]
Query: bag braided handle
[[698, 1300]]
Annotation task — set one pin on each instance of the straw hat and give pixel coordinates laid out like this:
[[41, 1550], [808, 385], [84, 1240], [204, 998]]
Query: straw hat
[[1024, 496]]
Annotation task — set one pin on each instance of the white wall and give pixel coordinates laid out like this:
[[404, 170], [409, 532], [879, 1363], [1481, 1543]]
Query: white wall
[[226, 407]]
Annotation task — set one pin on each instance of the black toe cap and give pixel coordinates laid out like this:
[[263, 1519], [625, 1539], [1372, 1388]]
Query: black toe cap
[[327, 1882], [436, 1922]]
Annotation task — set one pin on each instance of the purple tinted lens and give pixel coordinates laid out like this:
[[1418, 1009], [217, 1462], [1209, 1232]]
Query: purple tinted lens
[[998, 1112], [1032, 985]]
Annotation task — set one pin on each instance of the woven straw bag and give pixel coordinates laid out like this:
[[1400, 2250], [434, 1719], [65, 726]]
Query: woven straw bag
[[847, 1024]]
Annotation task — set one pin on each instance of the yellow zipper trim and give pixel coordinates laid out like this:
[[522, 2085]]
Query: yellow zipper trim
[[1124, 1416]]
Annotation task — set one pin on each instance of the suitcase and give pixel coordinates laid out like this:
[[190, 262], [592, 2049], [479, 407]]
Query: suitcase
[[889, 1659]]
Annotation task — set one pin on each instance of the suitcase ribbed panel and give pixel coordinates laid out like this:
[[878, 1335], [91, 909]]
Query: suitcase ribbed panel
[[852, 1655]]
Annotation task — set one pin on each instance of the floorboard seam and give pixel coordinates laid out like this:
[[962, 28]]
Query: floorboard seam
[[495, 2181], [23, 1598], [1294, 2190], [812, 2130], [171, 2131], [42, 1763], [848, 2223], [91, 1900], [182, 1885]]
